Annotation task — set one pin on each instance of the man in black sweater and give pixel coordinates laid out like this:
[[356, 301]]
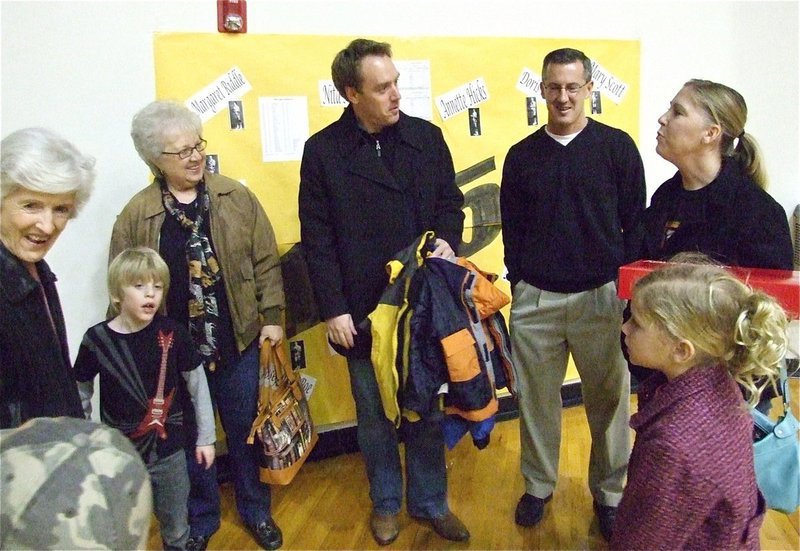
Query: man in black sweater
[[570, 197]]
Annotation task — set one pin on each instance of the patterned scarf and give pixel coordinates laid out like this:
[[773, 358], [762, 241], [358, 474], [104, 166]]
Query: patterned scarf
[[204, 273]]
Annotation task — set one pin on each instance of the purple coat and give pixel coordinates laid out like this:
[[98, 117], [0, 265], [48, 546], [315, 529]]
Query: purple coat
[[691, 482]]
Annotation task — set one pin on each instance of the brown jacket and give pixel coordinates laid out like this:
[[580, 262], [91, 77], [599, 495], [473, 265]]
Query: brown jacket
[[243, 240]]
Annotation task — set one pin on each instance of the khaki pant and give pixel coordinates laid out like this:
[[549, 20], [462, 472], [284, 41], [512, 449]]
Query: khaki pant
[[545, 328]]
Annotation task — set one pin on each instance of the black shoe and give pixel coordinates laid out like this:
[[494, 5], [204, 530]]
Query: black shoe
[[606, 515], [530, 509], [197, 543], [267, 534]]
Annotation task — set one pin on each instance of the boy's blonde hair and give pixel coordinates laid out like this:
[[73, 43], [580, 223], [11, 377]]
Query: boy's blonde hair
[[726, 321], [132, 266]]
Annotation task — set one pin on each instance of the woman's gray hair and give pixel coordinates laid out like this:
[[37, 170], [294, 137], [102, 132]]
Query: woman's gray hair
[[40, 160], [151, 125]]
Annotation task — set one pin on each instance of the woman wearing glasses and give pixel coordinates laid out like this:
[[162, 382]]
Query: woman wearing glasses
[[225, 286]]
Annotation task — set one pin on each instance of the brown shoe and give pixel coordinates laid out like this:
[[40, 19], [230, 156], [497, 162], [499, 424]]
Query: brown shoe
[[385, 528], [450, 527]]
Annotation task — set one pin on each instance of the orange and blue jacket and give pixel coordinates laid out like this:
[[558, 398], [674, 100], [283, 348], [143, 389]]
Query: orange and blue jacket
[[439, 341]]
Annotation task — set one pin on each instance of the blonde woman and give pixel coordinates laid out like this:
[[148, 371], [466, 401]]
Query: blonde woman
[[716, 203]]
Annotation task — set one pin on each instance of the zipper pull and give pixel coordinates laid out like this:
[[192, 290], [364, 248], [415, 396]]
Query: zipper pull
[[378, 147]]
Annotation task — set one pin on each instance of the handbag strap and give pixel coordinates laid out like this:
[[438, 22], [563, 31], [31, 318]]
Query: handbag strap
[[783, 383], [762, 421], [284, 374], [276, 355]]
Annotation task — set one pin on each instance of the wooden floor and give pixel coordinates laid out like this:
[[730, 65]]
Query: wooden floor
[[327, 506]]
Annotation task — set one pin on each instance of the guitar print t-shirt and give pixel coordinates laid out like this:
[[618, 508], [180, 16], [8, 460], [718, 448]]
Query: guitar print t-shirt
[[133, 398]]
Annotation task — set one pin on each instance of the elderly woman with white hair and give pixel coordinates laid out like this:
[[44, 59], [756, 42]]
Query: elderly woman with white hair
[[44, 182], [226, 286]]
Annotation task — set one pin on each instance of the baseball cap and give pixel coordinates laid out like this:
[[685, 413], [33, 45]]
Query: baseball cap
[[69, 483]]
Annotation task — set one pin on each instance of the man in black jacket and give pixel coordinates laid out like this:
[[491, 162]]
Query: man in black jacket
[[371, 183]]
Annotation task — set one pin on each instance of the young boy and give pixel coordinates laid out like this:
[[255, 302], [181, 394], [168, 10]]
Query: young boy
[[139, 355]]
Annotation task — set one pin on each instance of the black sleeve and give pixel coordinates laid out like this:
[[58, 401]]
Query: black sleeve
[[318, 235], [449, 214], [188, 358], [632, 196], [767, 242], [512, 213], [86, 364]]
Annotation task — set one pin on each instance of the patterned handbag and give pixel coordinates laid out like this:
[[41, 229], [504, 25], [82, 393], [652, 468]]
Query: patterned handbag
[[283, 426], [777, 456]]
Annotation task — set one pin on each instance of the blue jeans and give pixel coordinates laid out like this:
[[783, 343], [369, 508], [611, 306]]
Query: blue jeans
[[426, 476], [234, 393], [170, 492]]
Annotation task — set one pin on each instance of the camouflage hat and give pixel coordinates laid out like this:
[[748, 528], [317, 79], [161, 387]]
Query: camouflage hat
[[68, 484]]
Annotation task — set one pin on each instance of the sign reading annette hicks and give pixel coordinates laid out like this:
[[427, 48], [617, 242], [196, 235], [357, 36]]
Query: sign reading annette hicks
[[462, 98], [208, 101]]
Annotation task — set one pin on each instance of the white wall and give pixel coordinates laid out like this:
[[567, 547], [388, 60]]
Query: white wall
[[84, 68]]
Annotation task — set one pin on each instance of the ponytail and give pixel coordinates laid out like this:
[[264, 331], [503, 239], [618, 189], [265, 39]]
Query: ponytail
[[746, 152], [760, 344]]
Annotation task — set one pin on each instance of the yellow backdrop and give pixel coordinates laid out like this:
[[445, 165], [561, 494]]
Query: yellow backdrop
[[293, 66]]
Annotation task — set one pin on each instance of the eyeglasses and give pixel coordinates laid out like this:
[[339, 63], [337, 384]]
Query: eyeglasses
[[186, 153], [572, 89]]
